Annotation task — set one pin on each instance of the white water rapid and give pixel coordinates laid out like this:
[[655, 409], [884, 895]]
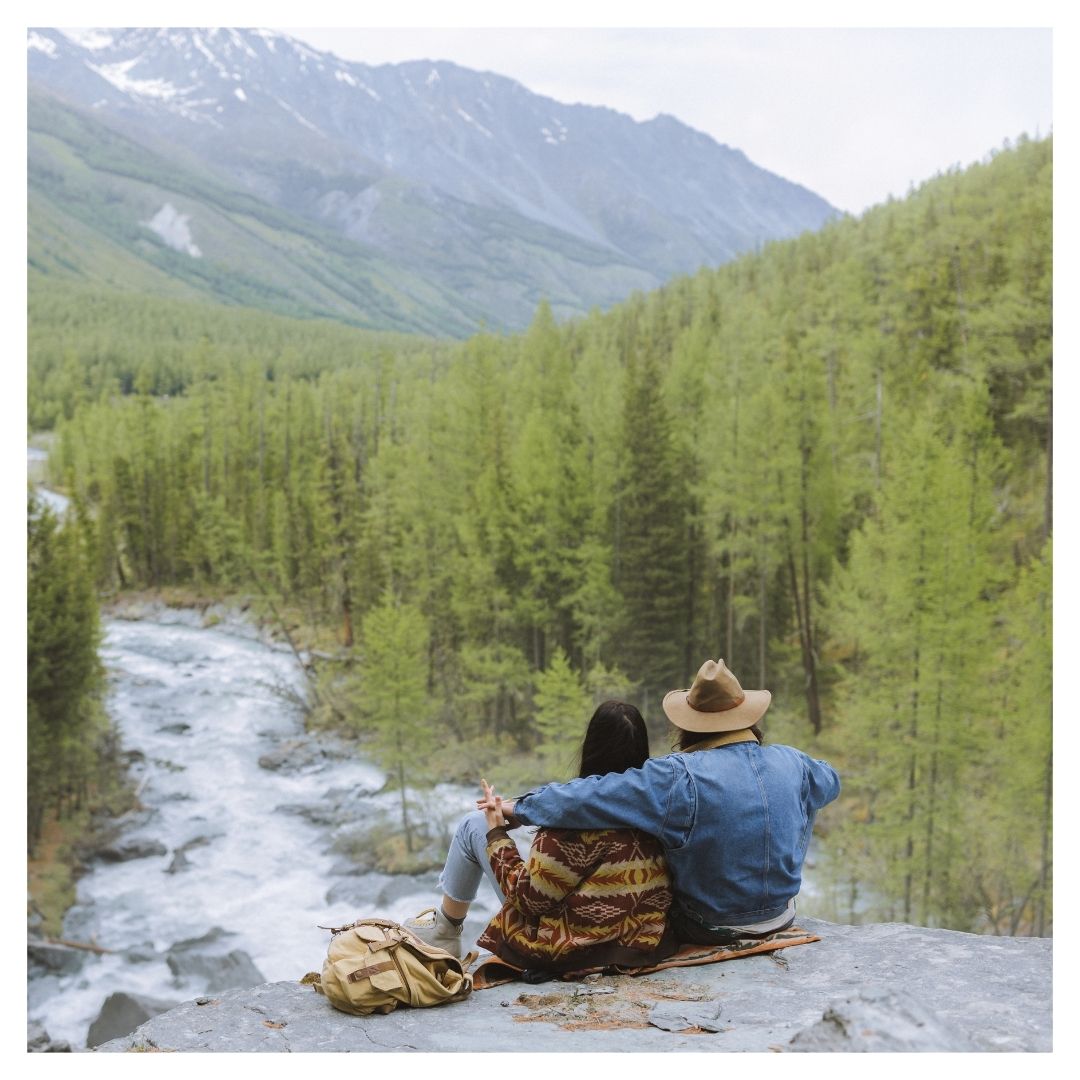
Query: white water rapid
[[197, 707]]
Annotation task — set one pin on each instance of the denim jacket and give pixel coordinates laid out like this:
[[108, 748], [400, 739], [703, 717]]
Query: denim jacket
[[734, 822]]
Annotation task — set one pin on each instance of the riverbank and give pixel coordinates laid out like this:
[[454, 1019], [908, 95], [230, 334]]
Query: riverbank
[[327, 708], [68, 842], [59, 858]]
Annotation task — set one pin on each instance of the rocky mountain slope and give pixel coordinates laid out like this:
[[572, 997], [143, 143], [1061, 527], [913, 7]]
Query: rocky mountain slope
[[463, 180]]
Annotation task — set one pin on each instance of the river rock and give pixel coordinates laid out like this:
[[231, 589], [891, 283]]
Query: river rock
[[344, 868], [205, 958], [994, 994], [38, 1041], [133, 819], [81, 923], [318, 813], [360, 892], [400, 885], [375, 891], [210, 940], [122, 1013], [179, 862], [296, 755], [234, 969], [37, 1038], [126, 850], [54, 957], [302, 754], [879, 1021], [141, 954], [179, 728]]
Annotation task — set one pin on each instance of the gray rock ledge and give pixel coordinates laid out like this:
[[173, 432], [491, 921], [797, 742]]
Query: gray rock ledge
[[885, 986]]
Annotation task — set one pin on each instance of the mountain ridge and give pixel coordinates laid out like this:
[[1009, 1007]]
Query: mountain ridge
[[454, 168]]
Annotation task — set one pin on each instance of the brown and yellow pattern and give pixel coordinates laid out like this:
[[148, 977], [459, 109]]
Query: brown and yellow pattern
[[598, 896]]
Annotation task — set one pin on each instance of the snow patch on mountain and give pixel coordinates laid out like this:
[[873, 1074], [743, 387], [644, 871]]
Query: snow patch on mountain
[[352, 80], [554, 137], [240, 94], [197, 41], [299, 119], [269, 37], [242, 44], [302, 50], [117, 74], [89, 38], [42, 44], [173, 228], [475, 123]]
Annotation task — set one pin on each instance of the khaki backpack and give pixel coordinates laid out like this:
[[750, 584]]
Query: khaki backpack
[[375, 965]]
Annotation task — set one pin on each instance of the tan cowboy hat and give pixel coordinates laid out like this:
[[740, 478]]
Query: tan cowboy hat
[[716, 702]]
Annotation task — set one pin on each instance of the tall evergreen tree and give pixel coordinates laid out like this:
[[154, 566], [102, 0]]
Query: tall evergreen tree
[[64, 675], [395, 698], [650, 541]]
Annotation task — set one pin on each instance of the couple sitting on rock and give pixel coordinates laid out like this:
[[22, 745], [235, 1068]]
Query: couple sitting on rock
[[639, 855]]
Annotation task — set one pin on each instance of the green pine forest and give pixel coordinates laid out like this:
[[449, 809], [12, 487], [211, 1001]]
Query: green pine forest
[[828, 463]]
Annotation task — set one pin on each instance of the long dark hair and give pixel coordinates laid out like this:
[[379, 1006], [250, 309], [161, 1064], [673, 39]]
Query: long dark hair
[[615, 740]]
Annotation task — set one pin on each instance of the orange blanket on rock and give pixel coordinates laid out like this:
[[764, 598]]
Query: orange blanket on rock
[[495, 972]]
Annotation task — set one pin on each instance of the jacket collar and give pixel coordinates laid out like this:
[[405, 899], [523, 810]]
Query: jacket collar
[[725, 738]]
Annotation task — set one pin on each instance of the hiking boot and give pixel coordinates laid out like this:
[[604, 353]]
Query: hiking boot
[[436, 929]]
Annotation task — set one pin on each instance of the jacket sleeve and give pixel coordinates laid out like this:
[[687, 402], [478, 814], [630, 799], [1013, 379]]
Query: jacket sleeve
[[543, 883], [824, 783], [658, 799]]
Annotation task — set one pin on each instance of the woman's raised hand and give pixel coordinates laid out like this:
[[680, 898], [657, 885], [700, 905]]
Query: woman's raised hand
[[491, 804]]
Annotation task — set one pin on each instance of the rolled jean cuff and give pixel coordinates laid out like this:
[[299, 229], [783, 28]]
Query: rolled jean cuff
[[467, 862]]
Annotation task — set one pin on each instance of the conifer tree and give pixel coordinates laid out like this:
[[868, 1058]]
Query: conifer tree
[[914, 609], [64, 675], [562, 711], [394, 694], [650, 562]]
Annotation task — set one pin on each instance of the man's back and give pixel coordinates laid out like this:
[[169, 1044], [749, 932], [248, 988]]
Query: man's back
[[734, 821]]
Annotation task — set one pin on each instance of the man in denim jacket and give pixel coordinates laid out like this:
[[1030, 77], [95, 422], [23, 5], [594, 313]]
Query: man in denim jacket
[[734, 817]]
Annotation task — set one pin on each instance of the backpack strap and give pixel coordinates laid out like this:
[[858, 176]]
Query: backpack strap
[[371, 969]]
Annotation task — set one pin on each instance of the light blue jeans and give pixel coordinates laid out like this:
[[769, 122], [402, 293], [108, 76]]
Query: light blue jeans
[[467, 861]]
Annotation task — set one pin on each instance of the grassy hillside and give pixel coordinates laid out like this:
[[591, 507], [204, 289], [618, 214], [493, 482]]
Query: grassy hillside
[[92, 192], [452, 267]]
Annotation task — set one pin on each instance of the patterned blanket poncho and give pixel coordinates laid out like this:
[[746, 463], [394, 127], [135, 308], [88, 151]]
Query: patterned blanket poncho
[[584, 898]]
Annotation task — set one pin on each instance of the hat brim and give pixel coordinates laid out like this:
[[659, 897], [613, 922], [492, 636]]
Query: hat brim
[[744, 715]]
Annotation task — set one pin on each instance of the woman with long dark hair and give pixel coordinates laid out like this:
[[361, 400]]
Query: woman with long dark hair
[[583, 898]]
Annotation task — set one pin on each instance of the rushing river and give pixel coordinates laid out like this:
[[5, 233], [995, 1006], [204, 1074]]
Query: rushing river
[[246, 848], [36, 460]]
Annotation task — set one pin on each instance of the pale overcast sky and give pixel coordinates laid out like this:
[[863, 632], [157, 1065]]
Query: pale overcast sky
[[855, 115]]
